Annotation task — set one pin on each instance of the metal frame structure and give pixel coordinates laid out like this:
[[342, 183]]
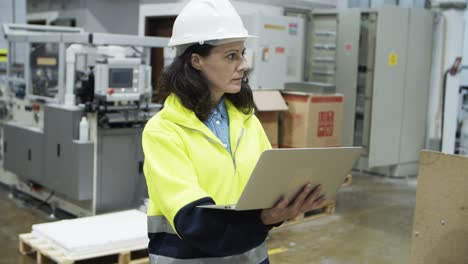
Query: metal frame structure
[[69, 35], [104, 141]]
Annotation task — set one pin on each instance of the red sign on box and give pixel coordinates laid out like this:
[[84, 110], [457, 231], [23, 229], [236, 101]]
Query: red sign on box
[[325, 124]]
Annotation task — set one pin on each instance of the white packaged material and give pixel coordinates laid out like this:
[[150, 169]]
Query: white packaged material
[[84, 129], [96, 234]]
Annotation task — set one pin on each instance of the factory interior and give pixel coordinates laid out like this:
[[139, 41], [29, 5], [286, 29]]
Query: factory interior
[[366, 99]]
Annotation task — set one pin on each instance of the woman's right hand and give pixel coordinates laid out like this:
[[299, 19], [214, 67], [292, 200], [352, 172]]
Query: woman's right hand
[[308, 200]]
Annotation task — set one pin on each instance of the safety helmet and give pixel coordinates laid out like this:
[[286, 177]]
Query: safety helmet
[[207, 21]]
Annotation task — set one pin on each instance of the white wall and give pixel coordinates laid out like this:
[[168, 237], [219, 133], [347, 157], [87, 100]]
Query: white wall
[[359, 3], [128, 16], [412, 3], [380, 3], [51, 10], [53, 5], [464, 73], [155, 10], [438, 2], [78, 14], [113, 16], [150, 8], [12, 11], [342, 4], [106, 16], [302, 4], [173, 9]]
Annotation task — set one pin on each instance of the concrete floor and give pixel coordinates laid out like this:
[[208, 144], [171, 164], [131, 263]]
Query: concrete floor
[[372, 224]]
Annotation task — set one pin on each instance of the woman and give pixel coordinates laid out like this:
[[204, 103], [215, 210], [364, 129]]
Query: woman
[[202, 147]]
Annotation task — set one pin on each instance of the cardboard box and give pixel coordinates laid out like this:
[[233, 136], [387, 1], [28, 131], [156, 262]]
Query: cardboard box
[[268, 106], [312, 120], [440, 228]]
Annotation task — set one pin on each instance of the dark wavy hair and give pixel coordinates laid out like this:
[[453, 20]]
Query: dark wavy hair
[[192, 87]]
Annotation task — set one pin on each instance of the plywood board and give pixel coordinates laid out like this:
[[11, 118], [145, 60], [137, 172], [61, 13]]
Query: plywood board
[[440, 230]]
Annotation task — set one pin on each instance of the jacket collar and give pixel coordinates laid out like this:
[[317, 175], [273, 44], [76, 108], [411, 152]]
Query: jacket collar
[[175, 112]]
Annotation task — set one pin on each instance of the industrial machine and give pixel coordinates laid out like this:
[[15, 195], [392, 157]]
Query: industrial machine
[[72, 134], [380, 60]]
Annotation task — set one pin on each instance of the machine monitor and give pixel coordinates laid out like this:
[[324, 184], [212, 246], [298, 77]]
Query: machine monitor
[[121, 80], [121, 77]]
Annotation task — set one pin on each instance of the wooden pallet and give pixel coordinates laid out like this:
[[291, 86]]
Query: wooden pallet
[[29, 243], [323, 211]]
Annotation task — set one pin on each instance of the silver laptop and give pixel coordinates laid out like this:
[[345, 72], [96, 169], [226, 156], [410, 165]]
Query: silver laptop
[[284, 172]]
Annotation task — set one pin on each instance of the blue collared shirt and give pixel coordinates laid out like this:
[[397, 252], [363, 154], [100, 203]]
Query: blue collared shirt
[[218, 123]]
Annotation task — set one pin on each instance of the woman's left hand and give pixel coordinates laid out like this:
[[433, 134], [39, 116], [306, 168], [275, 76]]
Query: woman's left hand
[[308, 200]]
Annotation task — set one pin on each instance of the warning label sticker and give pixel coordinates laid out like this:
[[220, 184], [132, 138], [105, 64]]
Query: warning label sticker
[[392, 59]]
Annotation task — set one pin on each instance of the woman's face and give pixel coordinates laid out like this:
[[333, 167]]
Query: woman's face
[[223, 68]]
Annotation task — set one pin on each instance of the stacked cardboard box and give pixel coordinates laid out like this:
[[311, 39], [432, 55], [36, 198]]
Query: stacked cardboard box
[[312, 120], [269, 105]]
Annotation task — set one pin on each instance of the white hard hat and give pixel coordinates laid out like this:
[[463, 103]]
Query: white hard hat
[[207, 21]]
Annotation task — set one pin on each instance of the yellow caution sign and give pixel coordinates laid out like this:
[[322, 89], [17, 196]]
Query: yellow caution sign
[[3, 55], [392, 59]]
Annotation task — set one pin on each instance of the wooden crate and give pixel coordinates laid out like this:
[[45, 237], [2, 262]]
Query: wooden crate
[[29, 243]]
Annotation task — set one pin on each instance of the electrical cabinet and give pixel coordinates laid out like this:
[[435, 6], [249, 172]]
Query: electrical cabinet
[[121, 183], [277, 55], [69, 163], [23, 151], [380, 60], [322, 49]]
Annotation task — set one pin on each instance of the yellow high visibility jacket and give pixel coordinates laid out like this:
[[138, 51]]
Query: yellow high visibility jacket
[[185, 161]]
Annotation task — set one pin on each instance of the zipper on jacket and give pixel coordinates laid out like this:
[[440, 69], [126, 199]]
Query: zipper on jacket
[[219, 144], [235, 150]]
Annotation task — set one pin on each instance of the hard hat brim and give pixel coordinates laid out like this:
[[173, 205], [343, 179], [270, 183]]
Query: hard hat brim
[[234, 38]]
